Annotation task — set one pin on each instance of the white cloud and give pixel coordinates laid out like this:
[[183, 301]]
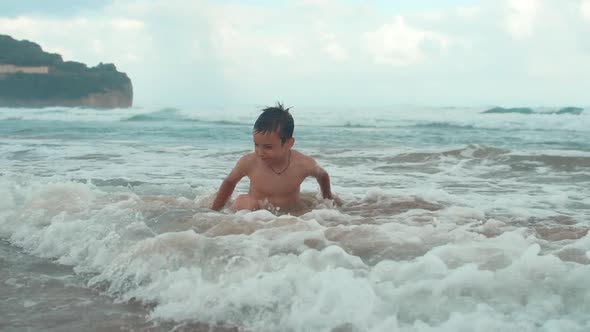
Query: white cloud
[[281, 51], [521, 17], [97, 46], [431, 16], [399, 44], [86, 39], [9, 25], [336, 51], [127, 24], [180, 52], [585, 9], [468, 12]]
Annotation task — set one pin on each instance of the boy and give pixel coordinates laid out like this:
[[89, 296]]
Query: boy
[[275, 170]]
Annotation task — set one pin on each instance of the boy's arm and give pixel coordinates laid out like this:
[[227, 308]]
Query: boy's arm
[[229, 184], [323, 180]]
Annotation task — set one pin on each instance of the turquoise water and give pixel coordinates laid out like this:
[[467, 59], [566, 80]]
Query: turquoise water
[[451, 217], [455, 126]]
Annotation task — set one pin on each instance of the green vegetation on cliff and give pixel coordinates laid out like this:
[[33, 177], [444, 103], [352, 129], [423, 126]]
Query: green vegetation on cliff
[[67, 83], [25, 53], [60, 83]]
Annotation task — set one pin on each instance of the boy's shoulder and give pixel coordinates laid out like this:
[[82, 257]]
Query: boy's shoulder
[[248, 158], [303, 155], [302, 158]]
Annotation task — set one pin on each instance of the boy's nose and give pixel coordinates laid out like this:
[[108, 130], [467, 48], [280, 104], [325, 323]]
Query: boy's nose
[[259, 153]]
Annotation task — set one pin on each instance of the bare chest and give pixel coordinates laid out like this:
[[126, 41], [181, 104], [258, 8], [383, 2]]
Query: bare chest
[[265, 183]]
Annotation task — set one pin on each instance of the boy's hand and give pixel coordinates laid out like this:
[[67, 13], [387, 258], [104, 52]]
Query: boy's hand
[[337, 201]]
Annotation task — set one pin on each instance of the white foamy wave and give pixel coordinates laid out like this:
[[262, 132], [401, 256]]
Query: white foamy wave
[[71, 114], [440, 227], [380, 263]]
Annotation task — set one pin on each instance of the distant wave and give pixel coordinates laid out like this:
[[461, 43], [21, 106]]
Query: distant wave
[[519, 110], [442, 125], [352, 125], [163, 114], [478, 151], [570, 110], [223, 122], [174, 115], [527, 110], [502, 156]]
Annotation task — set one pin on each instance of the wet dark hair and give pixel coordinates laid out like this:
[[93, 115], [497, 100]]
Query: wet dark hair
[[276, 119]]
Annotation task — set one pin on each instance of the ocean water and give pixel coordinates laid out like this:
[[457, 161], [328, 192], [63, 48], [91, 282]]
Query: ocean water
[[453, 220]]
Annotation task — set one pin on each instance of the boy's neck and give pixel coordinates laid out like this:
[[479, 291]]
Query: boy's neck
[[281, 165]]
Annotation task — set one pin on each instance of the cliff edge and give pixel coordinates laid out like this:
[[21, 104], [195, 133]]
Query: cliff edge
[[30, 77]]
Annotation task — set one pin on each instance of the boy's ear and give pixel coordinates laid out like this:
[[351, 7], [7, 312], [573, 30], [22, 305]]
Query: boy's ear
[[290, 142]]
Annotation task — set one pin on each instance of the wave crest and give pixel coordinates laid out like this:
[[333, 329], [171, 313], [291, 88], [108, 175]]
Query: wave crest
[[527, 110]]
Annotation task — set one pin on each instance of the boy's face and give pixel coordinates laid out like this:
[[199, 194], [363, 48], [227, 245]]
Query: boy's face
[[269, 148]]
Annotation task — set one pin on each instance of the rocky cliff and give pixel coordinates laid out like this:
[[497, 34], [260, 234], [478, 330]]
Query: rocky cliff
[[30, 77]]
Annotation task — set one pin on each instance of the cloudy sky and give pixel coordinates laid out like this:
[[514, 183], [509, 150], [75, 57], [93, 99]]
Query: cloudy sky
[[324, 52]]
